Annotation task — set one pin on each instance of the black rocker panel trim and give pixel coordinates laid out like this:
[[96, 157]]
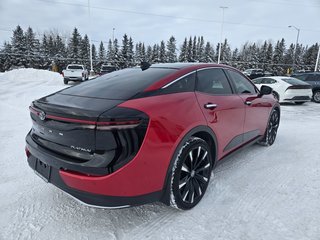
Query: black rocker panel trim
[[241, 138]]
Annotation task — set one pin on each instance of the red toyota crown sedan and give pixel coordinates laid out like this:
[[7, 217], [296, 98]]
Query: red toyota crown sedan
[[147, 134]]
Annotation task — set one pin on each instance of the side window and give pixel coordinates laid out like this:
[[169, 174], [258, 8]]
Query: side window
[[213, 81], [312, 77], [257, 80], [302, 77], [185, 84], [242, 85], [268, 81]]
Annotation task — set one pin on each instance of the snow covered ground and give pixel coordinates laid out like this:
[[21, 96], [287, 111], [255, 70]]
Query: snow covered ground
[[260, 193]]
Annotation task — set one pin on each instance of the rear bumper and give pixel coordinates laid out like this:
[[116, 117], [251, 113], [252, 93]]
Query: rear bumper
[[297, 99], [90, 199], [73, 78], [297, 95]]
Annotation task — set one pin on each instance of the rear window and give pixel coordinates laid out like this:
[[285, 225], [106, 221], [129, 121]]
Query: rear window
[[75, 67], [108, 68], [294, 81], [121, 85]]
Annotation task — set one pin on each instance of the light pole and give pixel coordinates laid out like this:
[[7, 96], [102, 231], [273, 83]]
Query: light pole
[[295, 47], [317, 61], [219, 54], [90, 42]]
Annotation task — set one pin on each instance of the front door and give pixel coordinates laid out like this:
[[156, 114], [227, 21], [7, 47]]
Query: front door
[[223, 110]]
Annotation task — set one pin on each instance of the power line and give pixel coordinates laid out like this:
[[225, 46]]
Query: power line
[[168, 16], [5, 30], [287, 3]]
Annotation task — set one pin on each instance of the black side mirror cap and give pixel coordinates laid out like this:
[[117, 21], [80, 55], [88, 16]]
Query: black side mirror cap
[[265, 90]]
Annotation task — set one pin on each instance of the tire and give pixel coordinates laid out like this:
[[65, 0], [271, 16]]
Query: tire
[[272, 129], [65, 81], [316, 96], [299, 103], [191, 173], [276, 95]]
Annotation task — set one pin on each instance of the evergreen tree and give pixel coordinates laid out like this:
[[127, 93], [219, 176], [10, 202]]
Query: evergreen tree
[[130, 53], [262, 54], [124, 52], [143, 52], [137, 56], [194, 55], [44, 48], [102, 53], [155, 53], [310, 55], [300, 51], [117, 56], [200, 50], [235, 58], [162, 52], [32, 49], [209, 53], [269, 54], [288, 56], [110, 52], [171, 50], [225, 51], [84, 51], [74, 46], [279, 50], [18, 49], [60, 46], [149, 54], [189, 51], [51, 47], [6, 57], [95, 61], [60, 53], [184, 51]]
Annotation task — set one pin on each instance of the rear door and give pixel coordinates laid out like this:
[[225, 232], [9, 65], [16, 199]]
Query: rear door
[[257, 108], [223, 110]]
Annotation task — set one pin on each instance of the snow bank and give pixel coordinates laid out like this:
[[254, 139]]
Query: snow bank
[[31, 74]]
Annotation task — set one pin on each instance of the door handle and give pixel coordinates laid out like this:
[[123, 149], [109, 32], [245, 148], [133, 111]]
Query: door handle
[[210, 106], [247, 103]]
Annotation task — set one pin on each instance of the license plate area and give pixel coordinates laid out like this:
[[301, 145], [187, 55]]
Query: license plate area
[[43, 170]]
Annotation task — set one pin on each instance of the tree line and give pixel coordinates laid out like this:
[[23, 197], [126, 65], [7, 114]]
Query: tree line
[[27, 50]]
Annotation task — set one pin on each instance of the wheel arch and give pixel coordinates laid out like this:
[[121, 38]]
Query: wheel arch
[[203, 132]]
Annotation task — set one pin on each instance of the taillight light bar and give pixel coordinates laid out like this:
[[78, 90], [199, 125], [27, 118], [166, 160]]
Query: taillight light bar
[[103, 125], [27, 152], [117, 125]]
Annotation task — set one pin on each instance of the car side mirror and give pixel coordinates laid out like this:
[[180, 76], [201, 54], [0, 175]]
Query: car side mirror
[[265, 90]]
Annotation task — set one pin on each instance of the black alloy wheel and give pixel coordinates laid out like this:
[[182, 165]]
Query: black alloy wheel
[[272, 129], [191, 174], [316, 96], [275, 95]]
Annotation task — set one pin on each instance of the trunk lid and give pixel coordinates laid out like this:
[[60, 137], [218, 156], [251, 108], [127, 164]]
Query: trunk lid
[[66, 124]]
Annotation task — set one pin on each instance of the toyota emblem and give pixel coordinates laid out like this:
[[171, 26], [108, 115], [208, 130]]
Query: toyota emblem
[[42, 115]]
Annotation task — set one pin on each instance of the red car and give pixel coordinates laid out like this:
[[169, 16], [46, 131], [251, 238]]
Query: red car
[[147, 134]]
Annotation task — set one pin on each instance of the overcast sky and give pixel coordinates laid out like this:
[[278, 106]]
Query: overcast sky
[[153, 21]]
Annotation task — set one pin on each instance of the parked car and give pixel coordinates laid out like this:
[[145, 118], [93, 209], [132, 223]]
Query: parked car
[[254, 73], [75, 72], [147, 134], [313, 78], [107, 69], [286, 89]]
